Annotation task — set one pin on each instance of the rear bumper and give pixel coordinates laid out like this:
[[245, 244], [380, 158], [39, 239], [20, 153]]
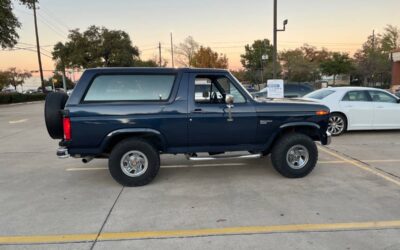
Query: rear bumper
[[62, 152], [326, 138]]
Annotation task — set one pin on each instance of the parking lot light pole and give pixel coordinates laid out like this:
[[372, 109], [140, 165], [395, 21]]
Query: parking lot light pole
[[275, 32]]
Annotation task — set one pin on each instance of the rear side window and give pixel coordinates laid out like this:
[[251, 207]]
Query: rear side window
[[379, 96], [356, 96], [130, 88], [320, 94]]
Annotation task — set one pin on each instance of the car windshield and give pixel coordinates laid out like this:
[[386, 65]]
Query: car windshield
[[320, 94]]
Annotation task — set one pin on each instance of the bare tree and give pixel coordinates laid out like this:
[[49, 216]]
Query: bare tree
[[17, 77], [186, 50]]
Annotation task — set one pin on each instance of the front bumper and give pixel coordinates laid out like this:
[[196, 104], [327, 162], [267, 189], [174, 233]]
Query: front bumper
[[62, 152], [326, 138]]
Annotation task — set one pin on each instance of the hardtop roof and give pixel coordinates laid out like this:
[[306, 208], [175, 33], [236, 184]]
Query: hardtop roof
[[158, 70]]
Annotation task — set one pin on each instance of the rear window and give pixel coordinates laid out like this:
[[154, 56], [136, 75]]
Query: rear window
[[320, 94], [130, 88]]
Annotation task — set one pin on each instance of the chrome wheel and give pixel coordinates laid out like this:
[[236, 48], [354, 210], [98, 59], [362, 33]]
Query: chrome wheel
[[134, 163], [297, 157], [336, 125]]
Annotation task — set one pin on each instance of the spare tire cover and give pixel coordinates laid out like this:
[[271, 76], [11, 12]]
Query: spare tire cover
[[55, 102]]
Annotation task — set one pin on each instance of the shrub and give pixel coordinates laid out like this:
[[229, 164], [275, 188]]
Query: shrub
[[6, 98]]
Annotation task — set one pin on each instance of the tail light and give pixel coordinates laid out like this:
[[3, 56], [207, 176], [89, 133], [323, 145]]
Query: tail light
[[67, 128]]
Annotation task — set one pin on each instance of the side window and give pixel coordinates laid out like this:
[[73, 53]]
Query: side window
[[379, 96], [213, 90], [355, 96], [230, 88], [130, 88]]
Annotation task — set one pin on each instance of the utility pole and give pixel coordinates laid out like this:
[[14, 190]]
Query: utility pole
[[172, 51], [159, 53], [275, 40], [38, 47], [275, 32]]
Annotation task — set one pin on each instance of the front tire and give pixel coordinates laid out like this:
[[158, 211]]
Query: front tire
[[294, 155], [337, 124], [134, 162]]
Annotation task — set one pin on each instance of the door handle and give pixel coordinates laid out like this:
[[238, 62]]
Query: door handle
[[379, 107], [198, 110], [348, 106]]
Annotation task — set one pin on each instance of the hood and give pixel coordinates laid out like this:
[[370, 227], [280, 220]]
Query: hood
[[287, 100], [289, 105]]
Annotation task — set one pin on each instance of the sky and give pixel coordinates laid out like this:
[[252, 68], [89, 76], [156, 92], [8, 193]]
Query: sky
[[224, 25]]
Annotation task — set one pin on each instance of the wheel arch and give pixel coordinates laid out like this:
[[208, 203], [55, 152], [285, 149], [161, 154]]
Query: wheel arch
[[310, 129], [153, 136], [344, 115]]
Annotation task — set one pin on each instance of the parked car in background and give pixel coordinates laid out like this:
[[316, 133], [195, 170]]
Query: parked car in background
[[9, 90], [30, 91], [291, 90], [358, 108]]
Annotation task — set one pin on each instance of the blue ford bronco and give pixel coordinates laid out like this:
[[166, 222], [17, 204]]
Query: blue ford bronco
[[132, 115]]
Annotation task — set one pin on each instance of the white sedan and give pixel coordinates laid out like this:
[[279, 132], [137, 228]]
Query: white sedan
[[358, 108]]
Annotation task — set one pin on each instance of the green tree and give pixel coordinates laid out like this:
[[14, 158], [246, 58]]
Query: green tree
[[186, 50], [303, 64], [3, 79], [9, 23], [57, 80], [390, 38], [15, 77], [147, 63], [296, 67], [337, 64], [256, 68], [96, 47], [205, 57], [372, 62]]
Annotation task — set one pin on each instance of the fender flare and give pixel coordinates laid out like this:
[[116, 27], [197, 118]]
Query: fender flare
[[132, 131], [298, 124], [272, 139]]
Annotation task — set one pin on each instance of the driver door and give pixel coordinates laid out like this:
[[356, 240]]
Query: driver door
[[208, 113]]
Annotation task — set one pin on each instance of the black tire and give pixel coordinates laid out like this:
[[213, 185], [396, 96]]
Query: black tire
[[280, 151], [55, 102], [337, 119], [125, 146]]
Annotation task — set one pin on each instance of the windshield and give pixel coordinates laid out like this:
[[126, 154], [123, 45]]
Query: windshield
[[320, 94], [243, 88]]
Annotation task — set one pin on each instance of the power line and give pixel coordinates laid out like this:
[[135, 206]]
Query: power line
[[48, 12], [63, 35]]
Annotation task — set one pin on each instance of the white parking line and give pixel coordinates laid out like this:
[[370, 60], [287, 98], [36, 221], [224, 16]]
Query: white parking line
[[18, 121], [167, 166]]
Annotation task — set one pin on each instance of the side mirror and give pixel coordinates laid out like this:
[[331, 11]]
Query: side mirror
[[229, 99], [206, 94]]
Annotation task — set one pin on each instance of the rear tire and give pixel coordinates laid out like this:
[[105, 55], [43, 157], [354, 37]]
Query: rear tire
[[55, 102], [294, 155], [134, 162]]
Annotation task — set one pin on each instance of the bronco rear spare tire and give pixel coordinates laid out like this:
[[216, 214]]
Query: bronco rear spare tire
[[55, 102]]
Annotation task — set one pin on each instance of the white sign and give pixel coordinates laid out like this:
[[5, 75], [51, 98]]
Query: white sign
[[275, 88], [396, 56], [264, 57]]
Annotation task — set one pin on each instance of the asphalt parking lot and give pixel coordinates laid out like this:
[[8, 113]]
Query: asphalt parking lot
[[350, 201]]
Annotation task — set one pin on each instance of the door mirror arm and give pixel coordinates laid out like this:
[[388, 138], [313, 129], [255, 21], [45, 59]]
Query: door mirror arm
[[229, 104]]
